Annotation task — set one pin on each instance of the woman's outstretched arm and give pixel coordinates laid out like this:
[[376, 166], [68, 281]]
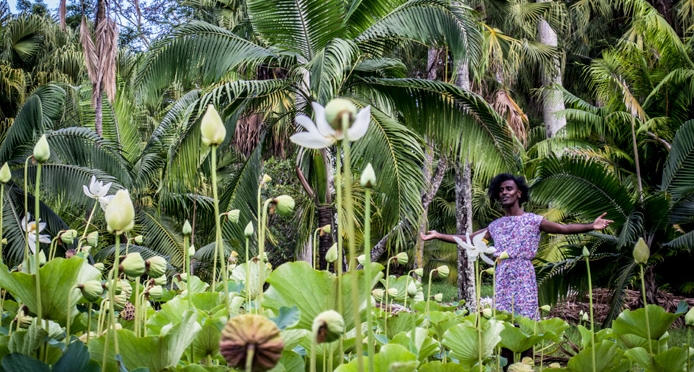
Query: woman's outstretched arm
[[433, 234], [575, 228]]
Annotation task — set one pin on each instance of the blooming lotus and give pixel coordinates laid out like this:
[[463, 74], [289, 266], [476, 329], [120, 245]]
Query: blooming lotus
[[321, 134], [476, 248], [97, 191], [31, 227]]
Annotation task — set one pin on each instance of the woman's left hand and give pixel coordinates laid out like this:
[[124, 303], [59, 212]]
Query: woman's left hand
[[601, 223]]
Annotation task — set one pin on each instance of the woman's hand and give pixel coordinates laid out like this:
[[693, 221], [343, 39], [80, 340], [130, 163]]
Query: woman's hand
[[601, 223], [431, 234]]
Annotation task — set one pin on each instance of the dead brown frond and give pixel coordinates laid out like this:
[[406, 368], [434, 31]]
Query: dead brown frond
[[247, 133], [514, 115], [90, 57], [107, 49]]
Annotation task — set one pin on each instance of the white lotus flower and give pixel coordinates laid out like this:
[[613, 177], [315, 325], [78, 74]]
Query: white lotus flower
[[97, 191], [30, 227], [478, 247], [321, 135]]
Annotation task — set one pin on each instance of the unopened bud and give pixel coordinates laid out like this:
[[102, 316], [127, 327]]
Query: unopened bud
[[160, 280], [641, 252], [156, 266], [438, 297], [139, 239], [99, 266], [5, 174], [392, 292], [411, 288], [233, 215], [91, 290], [186, 230], [419, 271], [689, 318], [266, 179], [284, 205], [402, 258], [361, 259], [154, 293], [325, 230], [443, 271], [378, 294], [42, 152], [191, 251], [368, 177], [504, 256], [248, 232], [331, 255], [545, 308], [68, 237], [489, 270], [93, 238], [133, 265], [586, 252], [212, 127], [487, 312]]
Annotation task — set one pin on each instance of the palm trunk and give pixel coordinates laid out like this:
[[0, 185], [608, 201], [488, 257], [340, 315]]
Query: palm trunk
[[552, 97], [325, 217], [463, 224], [98, 113]]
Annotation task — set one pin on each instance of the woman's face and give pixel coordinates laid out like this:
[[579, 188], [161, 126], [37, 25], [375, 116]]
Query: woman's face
[[509, 194]]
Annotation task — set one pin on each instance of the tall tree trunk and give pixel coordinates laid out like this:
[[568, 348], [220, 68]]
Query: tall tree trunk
[[552, 97], [325, 217]]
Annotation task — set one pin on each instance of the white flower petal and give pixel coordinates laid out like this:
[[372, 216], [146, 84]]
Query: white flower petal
[[45, 238], [487, 260], [23, 224], [87, 191], [311, 140], [360, 125], [42, 225], [105, 188], [104, 200], [32, 243], [321, 123]]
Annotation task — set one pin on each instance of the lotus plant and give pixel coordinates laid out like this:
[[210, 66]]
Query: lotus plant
[[252, 342], [368, 180], [5, 177], [586, 255], [641, 255]]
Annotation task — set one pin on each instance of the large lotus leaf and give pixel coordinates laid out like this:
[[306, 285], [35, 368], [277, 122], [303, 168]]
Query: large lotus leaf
[[289, 362], [440, 322], [464, 341], [549, 329], [630, 341], [608, 358], [325, 350], [400, 285], [399, 322], [634, 322], [440, 367], [425, 345], [295, 337], [58, 277], [21, 362], [312, 291], [205, 304], [516, 340], [207, 342], [76, 358], [239, 274], [287, 318], [671, 360], [392, 357], [153, 352], [600, 336], [193, 282]]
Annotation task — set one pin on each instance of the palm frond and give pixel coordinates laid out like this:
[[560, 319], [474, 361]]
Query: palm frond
[[330, 67], [158, 231], [678, 174]]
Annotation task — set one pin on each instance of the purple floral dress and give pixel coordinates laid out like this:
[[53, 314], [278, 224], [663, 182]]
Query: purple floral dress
[[516, 287]]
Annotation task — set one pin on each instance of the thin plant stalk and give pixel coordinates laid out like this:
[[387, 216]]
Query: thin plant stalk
[[261, 252], [86, 227], [249, 357], [385, 295], [645, 309], [112, 293], [592, 323], [426, 311], [248, 277], [340, 228], [2, 208], [218, 234], [367, 282], [479, 313], [137, 307], [89, 321], [312, 368], [26, 210], [186, 268], [37, 248], [69, 318]]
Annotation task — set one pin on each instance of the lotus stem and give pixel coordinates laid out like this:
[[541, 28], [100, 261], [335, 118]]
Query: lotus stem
[[2, 208], [385, 295], [89, 321], [367, 281], [645, 309], [101, 318], [69, 318], [312, 368], [426, 311], [248, 278], [261, 253], [250, 352], [218, 235], [478, 278], [26, 210], [592, 323], [37, 209], [86, 227], [106, 349], [340, 228], [186, 266], [112, 294], [137, 307], [52, 248]]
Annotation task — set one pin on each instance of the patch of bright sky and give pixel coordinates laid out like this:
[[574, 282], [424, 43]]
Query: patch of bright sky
[[51, 4]]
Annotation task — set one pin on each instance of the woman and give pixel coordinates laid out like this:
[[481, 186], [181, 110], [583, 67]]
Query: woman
[[518, 234]]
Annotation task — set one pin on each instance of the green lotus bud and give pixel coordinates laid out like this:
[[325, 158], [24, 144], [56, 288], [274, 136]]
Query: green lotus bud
[[187, 230], [284, 205], [586, 252], [411, 288], [42, 258], [99, 266], [42, 152], [361, 259], [328, 326], [68, 237], [154, 293], [378, 294], [5, 174], [248, 232], [266, 179], [336, 108], [233, 215], [419, 271], [545, 308], [402, 258], [93, 238], [489, 270], [585, 317], [504, 256], [641, 252], [91, 290], [85, 249], [160, 280], [331, 255], [325, 230], [212, 127], [689, 318], [156, 266], [487, 312], [139, 239], [117, 287], [133, 265], [392, 292], [443, 271], [120, 213], [368, 177], [191, 251], [438, 297], [126, 288]]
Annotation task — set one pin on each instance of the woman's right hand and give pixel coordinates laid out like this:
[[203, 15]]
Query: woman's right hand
[[431, 234]]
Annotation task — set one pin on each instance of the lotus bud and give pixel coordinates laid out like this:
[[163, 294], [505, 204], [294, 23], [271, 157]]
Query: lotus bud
[[91, 290], [268, 266], [338, 107], [689, 318], [419, 271], [331, 255], [212, 127], [361, 259], [392, 292], [328, 326], [248, 232], [119, 302], [126, 288], [156, 266], [233, 215], [545, 308], [4, 241], [402, 258], [187, 230], [133, 265], [5, 174], [489, 270], [504, 256], [93, 238], [487, 312], [368, 177], [42, 152], [641, 252], [183, 277], [284, 205], [520, 367], [554, 365], [251, 331], [154, 293], [438, 297], [160, 280], [411, 288], [325, 230], [586, 252], [68, 237], [42, 258], [443, 271], [585, 317], [191, 251], [99, 266], [139, 239], [120, 213], [378, 294]]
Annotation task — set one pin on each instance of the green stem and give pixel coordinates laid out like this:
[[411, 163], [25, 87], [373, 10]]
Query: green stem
[[69, 318], [645, 309], [367, 282], [137, 307], [37, 249], [89, 220], [248, 278], [52, 248], [89, 321], [385, 296], [592, 323], [426, 311], [340, 228], [249, 357], [312, 368], [479, 314], [26, 211], [261, 254], [218, 235], [2, 207], [112, 292]]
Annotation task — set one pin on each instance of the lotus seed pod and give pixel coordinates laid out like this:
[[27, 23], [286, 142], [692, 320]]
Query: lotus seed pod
[[438, 297], [68, 237], [120, 213], [99, 266], [191, 251], [119, 302], [504, 256], [368, 177], [419, 271], [233, 215], [251, 331], [487, 312], [156, 266], [93, 238], [402, 258], [520, 367], [248, 231], [528, 360], [139, 239], [392, 292], [91, 290], [443, 271], [325, 230], [331, 255], [42, 152], [126, 288], [586, 252], [411, 288], [284, 205], [378, 294], [489, 270], [361, 259], [554, 365], [133, 265], [160, 280], [186, 230], [212, 127], [689, 318], [155, 293], [266, 179], [641, 252], [328, 326], [5, 174], [336, 108]]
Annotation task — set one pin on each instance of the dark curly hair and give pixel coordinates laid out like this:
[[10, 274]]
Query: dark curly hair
[[495, 185]]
